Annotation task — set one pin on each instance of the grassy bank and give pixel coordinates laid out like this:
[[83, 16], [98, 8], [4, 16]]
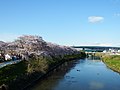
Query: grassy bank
[[23, 73], [112, 62], [10, 72]]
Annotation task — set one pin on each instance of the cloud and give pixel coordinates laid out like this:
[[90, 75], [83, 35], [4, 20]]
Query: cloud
[[95, 19], [96, 44], [117, 14], [102, 44]]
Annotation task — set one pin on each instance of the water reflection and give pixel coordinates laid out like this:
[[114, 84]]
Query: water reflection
[[96, 85], [87, 74]]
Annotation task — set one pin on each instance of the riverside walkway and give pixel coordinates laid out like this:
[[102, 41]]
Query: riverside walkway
[[3, 64]]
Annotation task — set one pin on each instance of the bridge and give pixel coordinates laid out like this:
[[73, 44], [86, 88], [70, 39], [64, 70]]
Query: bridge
[[96, 48]]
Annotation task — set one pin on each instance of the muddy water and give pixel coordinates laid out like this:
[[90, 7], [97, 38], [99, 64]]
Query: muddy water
[[83, 74]]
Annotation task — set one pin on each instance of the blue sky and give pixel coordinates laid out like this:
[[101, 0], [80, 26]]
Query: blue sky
[[65, 22]]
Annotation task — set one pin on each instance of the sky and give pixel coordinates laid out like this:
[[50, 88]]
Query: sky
[[65, 22]]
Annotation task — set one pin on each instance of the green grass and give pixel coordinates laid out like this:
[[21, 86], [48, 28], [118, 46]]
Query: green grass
[[10, 72], [112, 62]]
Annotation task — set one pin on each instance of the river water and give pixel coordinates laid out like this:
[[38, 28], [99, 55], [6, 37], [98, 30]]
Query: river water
[[83, 74]]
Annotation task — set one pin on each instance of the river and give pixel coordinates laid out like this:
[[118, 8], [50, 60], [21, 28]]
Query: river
[[83, 74]]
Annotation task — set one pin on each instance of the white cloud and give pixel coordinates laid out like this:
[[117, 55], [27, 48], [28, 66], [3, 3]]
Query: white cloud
[[96, 44], [95, 19], [103, 44], [117, 14]]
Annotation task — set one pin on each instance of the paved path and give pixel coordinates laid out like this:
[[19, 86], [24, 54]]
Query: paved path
[[3, 64]]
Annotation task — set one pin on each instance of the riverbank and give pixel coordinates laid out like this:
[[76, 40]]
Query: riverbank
[[113, 62], [38, 58], [21, 75]]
